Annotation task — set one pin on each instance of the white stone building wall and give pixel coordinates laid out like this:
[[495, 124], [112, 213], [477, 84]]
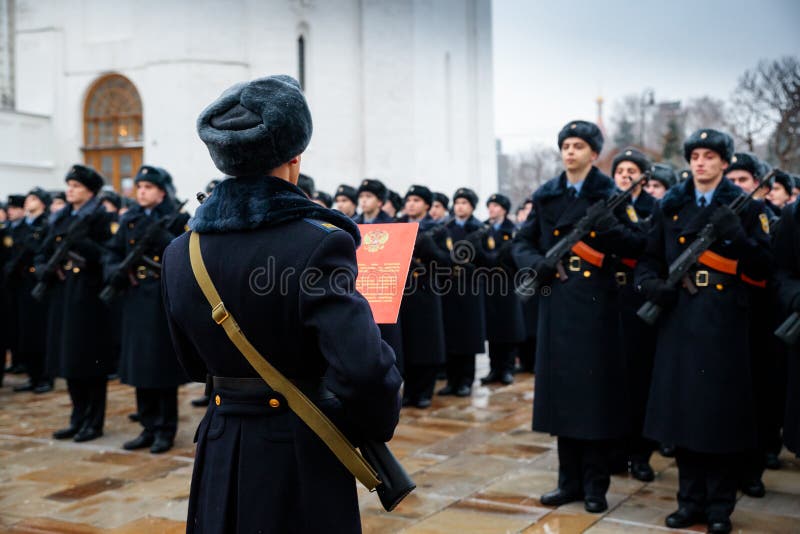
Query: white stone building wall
[[400, 90]]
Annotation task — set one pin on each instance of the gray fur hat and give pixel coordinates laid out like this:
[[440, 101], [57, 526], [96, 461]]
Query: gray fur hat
[[256, 126]]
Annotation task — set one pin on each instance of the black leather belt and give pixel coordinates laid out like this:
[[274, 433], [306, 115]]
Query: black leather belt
[[312, 388]]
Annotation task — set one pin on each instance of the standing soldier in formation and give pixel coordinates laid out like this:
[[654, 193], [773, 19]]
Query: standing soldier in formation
[[439, 208], [663, 177], [505, 326], [780, 194], [530, 308], [393, 205], [78, 325], [701, 398], [421, 307], [258, 467], [580, 368], [58, 199], [21, 277], [346, 200], [147, 359], [787, 260], [746, 171], [462, 299], [371, 197], [638, 338], [323, 199], [14, 235]]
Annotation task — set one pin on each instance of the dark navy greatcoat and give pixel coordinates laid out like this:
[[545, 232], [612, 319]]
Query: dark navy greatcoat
[[421, 309], [78, 325], [31, 320], [505, 322], [580, 387], [645, 205], [285, 269], [462, 292], [147, 359], [787, 258], [701, 397], [638, 338]]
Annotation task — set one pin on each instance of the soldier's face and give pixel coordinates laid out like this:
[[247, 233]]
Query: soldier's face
[[15, 213], [707, 166], [496, 211], [33, 205], [576, 154], [522, 215], [743, 179], [149, 195], [56, 205], [388, 208], [77, 193], [437, 210], [625, 174], [656, 189], [369, 202], [778, 195], [415, 207], [345, 205], [462, 208]]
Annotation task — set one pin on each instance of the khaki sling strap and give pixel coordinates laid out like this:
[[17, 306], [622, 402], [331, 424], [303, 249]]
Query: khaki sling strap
[[298, 402]]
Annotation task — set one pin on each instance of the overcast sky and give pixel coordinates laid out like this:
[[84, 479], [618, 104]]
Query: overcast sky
[[553, 59]]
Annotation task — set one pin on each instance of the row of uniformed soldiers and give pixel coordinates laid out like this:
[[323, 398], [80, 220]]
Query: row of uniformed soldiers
[[708, 379], [69, 332], [459, 293]]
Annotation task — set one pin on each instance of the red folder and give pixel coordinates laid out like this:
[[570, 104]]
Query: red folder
[[383, 261]]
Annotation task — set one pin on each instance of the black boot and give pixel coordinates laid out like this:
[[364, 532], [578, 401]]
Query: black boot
[[558, 497], [161, 444], [87, 434], [65, 433], [44, 386], [27, 386], [142, 441]]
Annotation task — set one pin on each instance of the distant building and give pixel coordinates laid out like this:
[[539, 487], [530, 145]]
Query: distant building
[[399, 89]]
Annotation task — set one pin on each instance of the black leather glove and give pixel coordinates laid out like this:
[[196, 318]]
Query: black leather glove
[[604, 220], [726, 223], [546, 270], [656, 290]]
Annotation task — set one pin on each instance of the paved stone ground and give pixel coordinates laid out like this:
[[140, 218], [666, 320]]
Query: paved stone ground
[[478, 467]]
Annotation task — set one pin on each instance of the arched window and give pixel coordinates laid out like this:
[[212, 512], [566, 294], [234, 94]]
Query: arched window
[[112, 130]]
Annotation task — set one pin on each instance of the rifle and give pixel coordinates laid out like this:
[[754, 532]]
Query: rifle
[[789, 330], [557, 252], [678, 269], [136, 254], [75, 232]]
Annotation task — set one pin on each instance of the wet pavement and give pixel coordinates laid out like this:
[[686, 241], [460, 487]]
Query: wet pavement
[[477, 465]]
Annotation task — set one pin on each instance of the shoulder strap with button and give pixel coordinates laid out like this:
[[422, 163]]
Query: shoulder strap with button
[[298, 402]]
